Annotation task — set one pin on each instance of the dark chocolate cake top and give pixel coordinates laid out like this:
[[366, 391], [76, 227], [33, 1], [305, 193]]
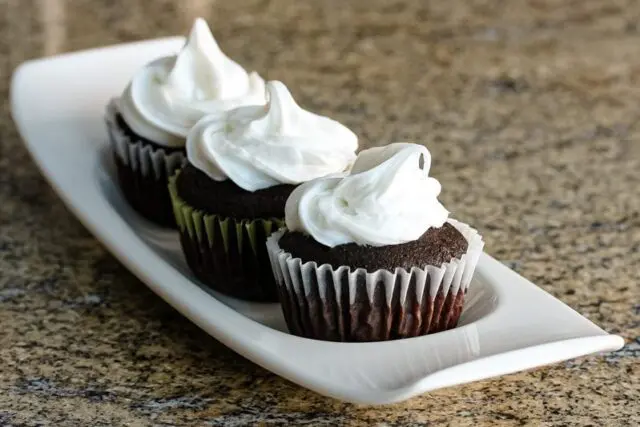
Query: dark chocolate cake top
[[435, 247], [227, 199]]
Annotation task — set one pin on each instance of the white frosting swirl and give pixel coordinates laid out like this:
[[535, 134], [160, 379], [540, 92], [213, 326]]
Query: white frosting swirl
[[261, 146], [387, 199], [168, 96]]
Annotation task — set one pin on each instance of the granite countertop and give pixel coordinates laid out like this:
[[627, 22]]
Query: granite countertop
[[531, 113]]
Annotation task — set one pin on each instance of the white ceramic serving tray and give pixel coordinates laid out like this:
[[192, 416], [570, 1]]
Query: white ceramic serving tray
[[508, 323]]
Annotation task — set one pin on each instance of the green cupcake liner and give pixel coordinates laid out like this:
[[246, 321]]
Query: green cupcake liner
[[227, 254]]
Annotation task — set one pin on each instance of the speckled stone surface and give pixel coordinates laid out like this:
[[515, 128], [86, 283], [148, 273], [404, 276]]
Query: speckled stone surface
[[531, 112]]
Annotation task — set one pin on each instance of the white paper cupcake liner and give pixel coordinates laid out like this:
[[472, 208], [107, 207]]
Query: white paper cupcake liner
[[338, 304]]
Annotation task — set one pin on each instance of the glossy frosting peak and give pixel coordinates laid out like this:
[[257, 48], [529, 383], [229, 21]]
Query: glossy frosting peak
[[168, 96], [279, 143], [388, 198]]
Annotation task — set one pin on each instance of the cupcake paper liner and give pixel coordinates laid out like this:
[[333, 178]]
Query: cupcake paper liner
[[143, 171], [337, 304], [227, 254]]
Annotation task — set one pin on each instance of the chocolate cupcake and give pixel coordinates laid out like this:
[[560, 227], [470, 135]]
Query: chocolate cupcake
[[373, 256], [231, 195], [149, 123]]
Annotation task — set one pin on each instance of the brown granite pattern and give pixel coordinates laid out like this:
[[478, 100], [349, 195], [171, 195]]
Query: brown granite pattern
[[531, 112]]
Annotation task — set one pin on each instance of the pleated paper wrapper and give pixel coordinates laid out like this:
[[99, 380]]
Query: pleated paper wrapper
[[336, 303], [143, 171], [227, 254]]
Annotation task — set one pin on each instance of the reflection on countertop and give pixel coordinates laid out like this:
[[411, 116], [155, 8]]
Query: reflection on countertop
[[531, 116]]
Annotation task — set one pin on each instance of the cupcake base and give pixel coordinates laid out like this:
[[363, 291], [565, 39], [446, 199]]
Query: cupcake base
[[342, 304], [226, 254], [143, 169]]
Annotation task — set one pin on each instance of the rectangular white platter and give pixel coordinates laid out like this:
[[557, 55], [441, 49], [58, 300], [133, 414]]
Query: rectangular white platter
[[508, 323]]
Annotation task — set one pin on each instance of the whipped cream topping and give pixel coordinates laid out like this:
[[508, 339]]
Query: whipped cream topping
[[168, 96], [262, 146], [387, 199]]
